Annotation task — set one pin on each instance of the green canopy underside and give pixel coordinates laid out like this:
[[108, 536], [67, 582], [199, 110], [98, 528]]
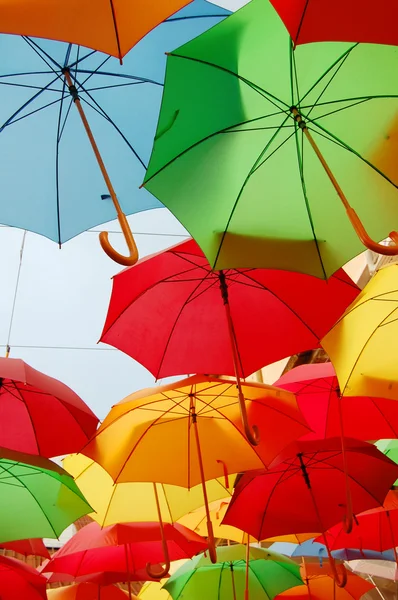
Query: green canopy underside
[[232, 164], [37, 502], [269, 575]]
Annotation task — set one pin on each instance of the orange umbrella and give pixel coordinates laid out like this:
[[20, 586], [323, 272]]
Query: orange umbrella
[[319, 584], [110, 26]]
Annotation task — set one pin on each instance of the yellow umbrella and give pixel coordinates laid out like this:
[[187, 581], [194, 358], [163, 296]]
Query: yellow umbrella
[[153, 590], [363, 344], [196, 520], [190, 431], [126, 502]]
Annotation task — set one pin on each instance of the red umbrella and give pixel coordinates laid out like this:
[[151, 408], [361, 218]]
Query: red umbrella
[[19, 581], [40, 415], [330, 415], [123, 548], [375, 529], [31, 547], [344, 21], [304, 490], [174, 315]]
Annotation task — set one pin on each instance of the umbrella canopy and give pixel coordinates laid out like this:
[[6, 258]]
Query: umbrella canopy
[[123, 502], [377, 568], [282, 499], [151, 434], [32, 547], [40, 415], [196, 520], [92, 546], [348, 21], [41, 133], [269, 575], [168, 312], [319, 584], [87, 591], [195, 426], [37, 498], [255, 155], [375, 529], [361, 344], [329, 414], [112, 27], [19, 580], [312, 549]]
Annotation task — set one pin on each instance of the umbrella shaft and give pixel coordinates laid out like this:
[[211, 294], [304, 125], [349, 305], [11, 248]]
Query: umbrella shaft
[[94, 146]]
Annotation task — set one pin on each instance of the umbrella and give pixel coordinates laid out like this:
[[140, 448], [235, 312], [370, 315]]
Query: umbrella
[[312, 549], [19, 580], [319, 584], [256, 143], [197, 521], [127, 547], [32, 547], [111, 27], [375, 529], [87, 591], [40, 415], [190, 431], [379, 568], [61, 192], [292, 538], [175, 315], [290, 496], [37, 498], [361, 344], [269, 574], [351, 21], [123, 502], [154, 591], [329, 414]]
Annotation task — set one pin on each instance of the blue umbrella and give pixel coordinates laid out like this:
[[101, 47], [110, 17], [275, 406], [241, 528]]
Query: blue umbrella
[[50, 182], [311, 549]]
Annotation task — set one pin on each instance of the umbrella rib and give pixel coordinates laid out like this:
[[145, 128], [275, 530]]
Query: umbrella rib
[[252, 170], [122, 76], [176, 320], [285, 303], [31, 493], [275, 150], [105, 115], [355, 102], [25, 104], [328, 83], [364, 346], [336, 62], [18, 391], [94, 72], [350, 149], [39, 51]]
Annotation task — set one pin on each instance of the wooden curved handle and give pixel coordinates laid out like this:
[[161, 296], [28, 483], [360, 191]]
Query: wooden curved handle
[[126, 261], [367, 241], [155, 573], [340, 578], [252, 433], [210, 542]]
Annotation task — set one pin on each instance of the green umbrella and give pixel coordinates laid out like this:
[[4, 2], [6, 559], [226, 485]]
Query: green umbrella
[[269, 575], [257, 141], [37, 498], [390, 449]]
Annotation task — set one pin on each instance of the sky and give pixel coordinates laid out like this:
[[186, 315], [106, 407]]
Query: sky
[[53, 303]]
